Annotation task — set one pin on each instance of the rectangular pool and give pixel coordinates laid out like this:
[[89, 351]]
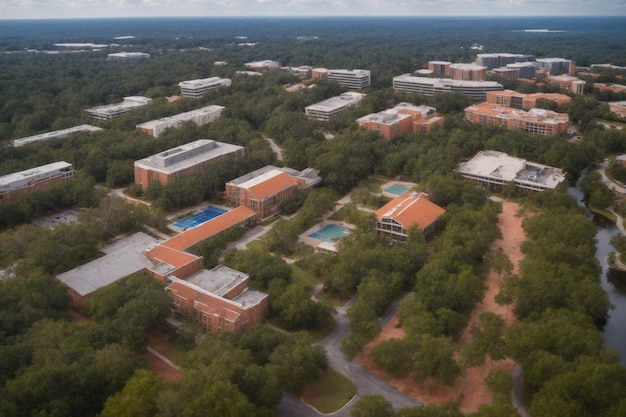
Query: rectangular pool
[[199, 218], [330, 233], [397, 189]]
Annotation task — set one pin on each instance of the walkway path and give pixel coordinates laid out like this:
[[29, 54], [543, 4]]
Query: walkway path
[[277, 150]]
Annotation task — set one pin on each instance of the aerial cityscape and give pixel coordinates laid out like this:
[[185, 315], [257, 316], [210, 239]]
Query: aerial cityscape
[[351, 208]]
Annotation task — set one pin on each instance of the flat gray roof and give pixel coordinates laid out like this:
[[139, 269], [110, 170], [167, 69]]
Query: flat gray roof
[[217, 281], [122, 258]]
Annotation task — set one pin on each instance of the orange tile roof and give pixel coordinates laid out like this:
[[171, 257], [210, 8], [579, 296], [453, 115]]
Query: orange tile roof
[[209, 229], [272, 186], [170, 256], [410, 208]]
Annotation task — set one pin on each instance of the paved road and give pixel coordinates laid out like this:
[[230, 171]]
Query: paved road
[[365, 382]]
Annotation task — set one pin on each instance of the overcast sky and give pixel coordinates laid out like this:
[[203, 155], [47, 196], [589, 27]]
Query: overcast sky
[[36, 9]]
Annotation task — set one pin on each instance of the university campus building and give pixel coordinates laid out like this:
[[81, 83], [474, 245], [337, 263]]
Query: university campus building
[[34, 179], [401, 119], [556, 65], [111, 111], [326, 109], [266, 190], [439, 68], [128, 56], [616, 88], [495, 169], [217, 299], [264, 65], [171, 165], [511, 98], [477, 90], [197, 88], [395, 218], [535, 121], [52, 135], [619, 108], [568, 83], [200, 117], [498, 60], [468, 72], [355, 79]]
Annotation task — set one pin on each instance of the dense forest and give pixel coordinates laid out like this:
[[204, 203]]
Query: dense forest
[[52, 364]]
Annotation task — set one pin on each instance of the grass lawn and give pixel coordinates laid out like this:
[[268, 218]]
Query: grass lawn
[[330, 393]]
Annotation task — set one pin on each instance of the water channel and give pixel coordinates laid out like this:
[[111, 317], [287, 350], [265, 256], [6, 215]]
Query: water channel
[[613, 282]]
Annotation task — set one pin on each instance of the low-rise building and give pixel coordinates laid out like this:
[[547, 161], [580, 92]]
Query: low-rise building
[[619, 108], [495, 169], [200, 117], [264, 65], [266, 190], [395, 218], [430, 86], [616, 88], [218, 299], [534, 121], [568, 83], [326, 109], [52, 135], [197, 88], [401, 119], [355, 79], [171, 165], [468, 72], [111, 111], [34, 179], [128, 56], [511, 98]]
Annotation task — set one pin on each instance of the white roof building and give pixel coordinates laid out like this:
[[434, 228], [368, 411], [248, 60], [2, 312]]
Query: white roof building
[[356, 79], [200, 117], [266, 64], [197, 88], [127, 56], [430, 86], [33, 176], [493, 168], [326, 109], [56, 134], [110, 111]]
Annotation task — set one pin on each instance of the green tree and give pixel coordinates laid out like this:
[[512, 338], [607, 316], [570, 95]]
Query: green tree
[[372, 406]]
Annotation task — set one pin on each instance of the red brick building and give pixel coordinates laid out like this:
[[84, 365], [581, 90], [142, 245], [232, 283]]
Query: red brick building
[[400, 120], [34, 179]]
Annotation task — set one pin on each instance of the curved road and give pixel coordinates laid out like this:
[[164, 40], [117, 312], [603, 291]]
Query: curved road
[[365, 382]]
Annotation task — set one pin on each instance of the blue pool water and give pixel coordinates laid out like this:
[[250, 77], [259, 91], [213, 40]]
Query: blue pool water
[[330, 233], [199, 218], [397, 189]]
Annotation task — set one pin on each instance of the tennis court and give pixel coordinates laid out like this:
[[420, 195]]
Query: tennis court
[[199, 218], [397, 189], [330, 233]]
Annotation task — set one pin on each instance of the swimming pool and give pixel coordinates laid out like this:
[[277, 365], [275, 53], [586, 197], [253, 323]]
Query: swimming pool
[[397, 189], [330, 233], [199, 218]]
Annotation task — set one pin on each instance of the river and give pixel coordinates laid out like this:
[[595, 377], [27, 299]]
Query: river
[[613, 282]]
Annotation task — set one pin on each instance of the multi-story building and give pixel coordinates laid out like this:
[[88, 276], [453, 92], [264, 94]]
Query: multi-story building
[[403, 118], [619, 108], [52, 135], [555, 65], [494, 169], [468, 72], [200, 117], [218, 299], [535, 121], [197, 88], [567, 83], [506, 73], [527, 70], [171, 165], [267, 189], [510, 98], [616, 88], [497, 60], [264, 65], [430, 86], [328, 108], [34, 179], [356, 79], [111, 111], [440, 68], [395, 218], [127, 56]]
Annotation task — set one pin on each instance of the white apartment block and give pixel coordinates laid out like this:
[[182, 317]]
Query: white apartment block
[[197, 88], [326, 109], [34, 179], [127, 56], [200, 117], [111, 111], [52, 135], [430, 86], [264, 65], [356, 79]]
